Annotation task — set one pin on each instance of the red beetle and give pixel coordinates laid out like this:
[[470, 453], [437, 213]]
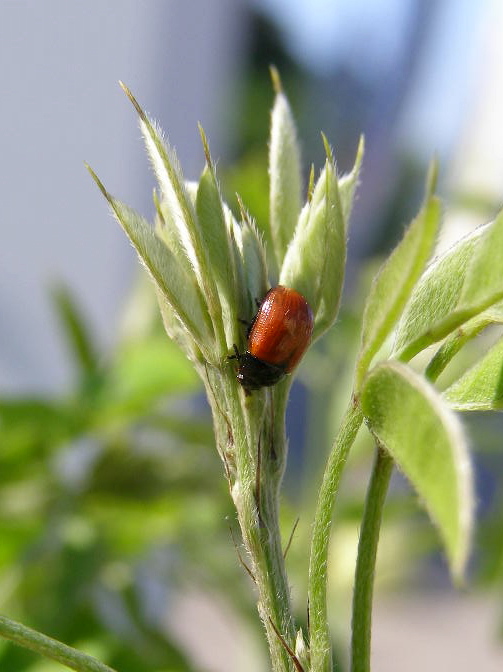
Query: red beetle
[[278, 336]]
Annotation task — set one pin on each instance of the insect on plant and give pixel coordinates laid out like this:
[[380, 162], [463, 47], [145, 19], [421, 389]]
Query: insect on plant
[[278, 336]]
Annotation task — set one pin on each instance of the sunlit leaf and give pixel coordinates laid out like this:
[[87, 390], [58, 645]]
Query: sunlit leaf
[[315, 261], [348, 183], [284, 173], [462, 283], [481, 387], [170, 277], [455, 341], [412, 421], [216, 239]]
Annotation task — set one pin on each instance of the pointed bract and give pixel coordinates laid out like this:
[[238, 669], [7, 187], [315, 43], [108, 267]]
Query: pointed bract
[[284, 175]]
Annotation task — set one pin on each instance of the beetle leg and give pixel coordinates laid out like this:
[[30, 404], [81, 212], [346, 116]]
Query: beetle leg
[[236, 355]]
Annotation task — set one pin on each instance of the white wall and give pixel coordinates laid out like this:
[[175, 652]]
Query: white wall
[[59, 66]]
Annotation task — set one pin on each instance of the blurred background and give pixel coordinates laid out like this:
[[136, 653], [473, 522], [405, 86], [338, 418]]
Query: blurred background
[[114, 516]]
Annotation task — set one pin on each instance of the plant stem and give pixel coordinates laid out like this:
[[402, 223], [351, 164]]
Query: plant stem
[[50, 648], [320, 643], [366, 561], [251, 439]]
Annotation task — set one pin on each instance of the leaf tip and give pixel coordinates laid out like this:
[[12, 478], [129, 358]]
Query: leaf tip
[[360, 151], [133, 100], [432, 177], [243, 211], [328, 149], [206, 146], [276, 79], [310, 184], [98, 182]]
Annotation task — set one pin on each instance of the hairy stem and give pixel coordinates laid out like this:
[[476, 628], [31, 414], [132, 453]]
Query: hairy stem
[[50, 648], [320, 643], [251, 440], [366, 561]]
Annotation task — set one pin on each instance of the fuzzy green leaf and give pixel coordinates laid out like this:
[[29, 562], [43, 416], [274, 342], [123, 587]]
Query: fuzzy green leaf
[[180, 205], [166, 229], [412, 422], [169, 175], [253, 263], [484, 277], [284, 174], [315, 261], [481, 387], [455, 341], [216, 239], [178, 289], [349, 183], [395, 281], [459, 285]]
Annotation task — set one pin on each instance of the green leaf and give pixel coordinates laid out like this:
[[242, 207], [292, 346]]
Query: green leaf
[[484, 277], [459, 285], [348, 183], [315, 261], [216, 239], [412, 422], [395, 281], [169, 174], [455, 341], [481, 387], [178, 289], [167, 231], [77, 334], [253, 265], [284, 173], [180, 205]]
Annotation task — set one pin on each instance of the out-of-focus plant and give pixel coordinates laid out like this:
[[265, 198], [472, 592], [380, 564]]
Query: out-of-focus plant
[[94, 510], [209, 266]]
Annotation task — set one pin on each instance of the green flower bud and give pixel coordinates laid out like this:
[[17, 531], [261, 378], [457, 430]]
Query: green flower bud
[[315, 261]]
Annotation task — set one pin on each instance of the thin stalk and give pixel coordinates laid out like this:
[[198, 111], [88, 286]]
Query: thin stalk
[[50, 648], [366, 561], [320, 643]]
